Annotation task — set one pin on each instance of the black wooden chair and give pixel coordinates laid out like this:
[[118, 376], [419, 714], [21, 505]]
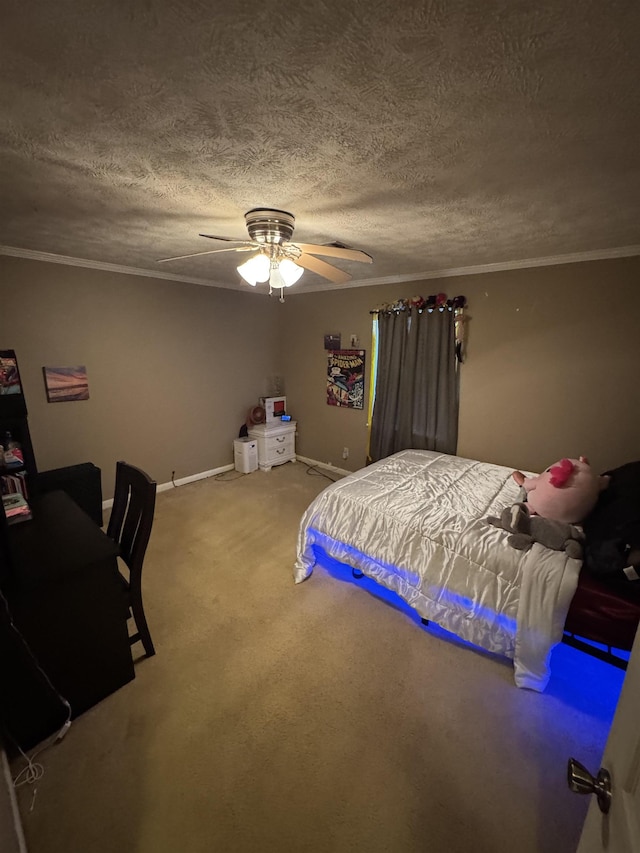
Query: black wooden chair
[[130, 527]]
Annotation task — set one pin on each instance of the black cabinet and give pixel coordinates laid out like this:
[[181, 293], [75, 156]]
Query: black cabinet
[[64, 644], [81, 482], [30, 707]]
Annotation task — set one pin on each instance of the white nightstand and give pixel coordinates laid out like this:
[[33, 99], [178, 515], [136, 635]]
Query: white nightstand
[[276, 443]]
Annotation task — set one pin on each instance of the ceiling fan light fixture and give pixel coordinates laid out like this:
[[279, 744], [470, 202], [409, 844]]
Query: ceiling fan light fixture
[[267, 225], [274, 255], [255, 269], [290, 271]]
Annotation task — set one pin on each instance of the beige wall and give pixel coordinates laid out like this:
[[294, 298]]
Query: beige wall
[[172, 367], [323, 431], [552, 366]]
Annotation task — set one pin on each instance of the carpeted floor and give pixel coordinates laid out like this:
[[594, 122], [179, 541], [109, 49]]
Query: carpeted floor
[[315, 718]]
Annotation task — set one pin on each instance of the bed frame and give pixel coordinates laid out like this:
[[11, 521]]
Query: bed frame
[[605, 613], [601, 614]]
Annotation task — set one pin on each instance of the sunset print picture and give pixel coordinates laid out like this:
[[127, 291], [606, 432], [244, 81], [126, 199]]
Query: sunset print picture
[[66, 383]]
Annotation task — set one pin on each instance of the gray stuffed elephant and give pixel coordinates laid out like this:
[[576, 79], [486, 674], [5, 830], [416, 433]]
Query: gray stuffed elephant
[[525, 529]]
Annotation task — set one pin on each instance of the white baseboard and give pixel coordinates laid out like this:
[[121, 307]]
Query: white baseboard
[[164, 487], [327, 465]]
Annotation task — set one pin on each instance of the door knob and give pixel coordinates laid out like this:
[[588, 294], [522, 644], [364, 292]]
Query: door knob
[[580, 781]]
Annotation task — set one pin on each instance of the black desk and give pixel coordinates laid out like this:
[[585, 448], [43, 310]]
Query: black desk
[[67, 601]]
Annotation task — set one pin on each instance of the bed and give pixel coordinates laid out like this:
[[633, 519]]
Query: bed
[[415, 522]]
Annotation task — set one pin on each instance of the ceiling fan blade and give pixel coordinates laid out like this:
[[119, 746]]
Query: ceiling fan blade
[[335, 252], [249, 248], [217, 237], [323, 268]]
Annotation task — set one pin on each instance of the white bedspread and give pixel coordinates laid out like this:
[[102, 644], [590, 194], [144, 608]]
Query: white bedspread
[[415, 522]]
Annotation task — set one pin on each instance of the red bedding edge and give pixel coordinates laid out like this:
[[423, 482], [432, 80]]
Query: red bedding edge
[[606, 613]]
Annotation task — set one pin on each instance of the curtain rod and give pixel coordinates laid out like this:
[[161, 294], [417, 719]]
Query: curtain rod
[[438, 301]]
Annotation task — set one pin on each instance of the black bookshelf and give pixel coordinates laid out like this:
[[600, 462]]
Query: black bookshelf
[[14, 419]]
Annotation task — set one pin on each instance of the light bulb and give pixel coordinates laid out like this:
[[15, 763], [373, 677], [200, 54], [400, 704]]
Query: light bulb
[[255, 269], [290, 271], [275, 277]]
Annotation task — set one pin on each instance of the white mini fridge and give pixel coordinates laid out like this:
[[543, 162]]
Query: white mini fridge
[[245, 455]]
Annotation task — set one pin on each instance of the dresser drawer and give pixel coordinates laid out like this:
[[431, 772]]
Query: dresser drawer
[[275, 444], [279, 447]]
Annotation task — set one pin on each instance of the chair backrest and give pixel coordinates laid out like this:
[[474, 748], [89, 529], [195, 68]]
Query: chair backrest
[[131, 517]]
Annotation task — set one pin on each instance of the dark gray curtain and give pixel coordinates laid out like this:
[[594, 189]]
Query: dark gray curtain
[[416, 397]]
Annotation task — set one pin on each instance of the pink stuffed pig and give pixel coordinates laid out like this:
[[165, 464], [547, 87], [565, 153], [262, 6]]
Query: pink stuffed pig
[[567, 491]]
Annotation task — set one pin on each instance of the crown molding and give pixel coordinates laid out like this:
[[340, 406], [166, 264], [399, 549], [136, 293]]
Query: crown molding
[[447, 272], [48, 257], [500, 266]]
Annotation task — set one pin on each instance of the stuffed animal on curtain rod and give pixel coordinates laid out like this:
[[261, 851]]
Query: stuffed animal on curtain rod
[[567, 491], [525, 529]]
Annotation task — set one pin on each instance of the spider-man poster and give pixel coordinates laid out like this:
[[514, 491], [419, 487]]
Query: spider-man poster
[[345, 378]]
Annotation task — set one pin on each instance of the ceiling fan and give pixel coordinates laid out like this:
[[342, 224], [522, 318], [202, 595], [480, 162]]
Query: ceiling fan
[[275, 258]]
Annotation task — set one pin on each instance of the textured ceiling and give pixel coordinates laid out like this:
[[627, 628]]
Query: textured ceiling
[[432, 135]]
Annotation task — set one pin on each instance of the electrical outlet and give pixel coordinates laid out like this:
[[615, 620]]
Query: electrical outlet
[[345, 452]]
